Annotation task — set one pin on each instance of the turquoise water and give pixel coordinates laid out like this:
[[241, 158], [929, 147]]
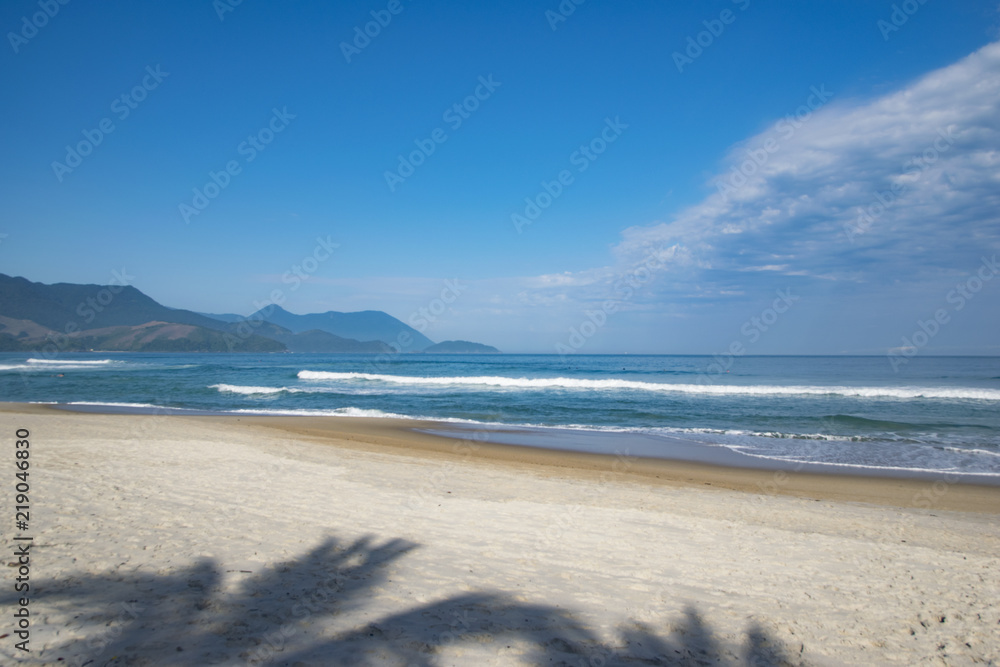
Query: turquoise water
[[935, 414]]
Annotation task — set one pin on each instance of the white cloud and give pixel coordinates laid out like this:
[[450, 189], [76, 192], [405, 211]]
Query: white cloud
[[567, 279], [911, 179], [766, 267]]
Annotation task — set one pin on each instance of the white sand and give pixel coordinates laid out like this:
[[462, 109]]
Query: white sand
[[234, 544]]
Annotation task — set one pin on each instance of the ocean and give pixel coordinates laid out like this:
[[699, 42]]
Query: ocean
[[932, 415]]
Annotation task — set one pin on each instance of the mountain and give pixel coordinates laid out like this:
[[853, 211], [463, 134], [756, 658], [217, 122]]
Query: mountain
[[460, 347], [66, 307], [224, 317], [169, 337], [69, 317], [368, 325], [25, 336], [315, 340], [312, 340]]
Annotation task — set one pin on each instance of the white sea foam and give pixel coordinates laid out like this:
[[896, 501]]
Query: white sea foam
[[249, 390], [59, 364], [75, 362], [662, 387], [336, 412], [971, 450], [117, 405], [860, 466]]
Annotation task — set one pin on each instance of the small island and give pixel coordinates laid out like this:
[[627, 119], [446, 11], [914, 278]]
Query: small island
[[460, 347]]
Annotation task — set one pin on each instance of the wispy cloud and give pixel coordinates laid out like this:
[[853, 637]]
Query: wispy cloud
[[897, 187]]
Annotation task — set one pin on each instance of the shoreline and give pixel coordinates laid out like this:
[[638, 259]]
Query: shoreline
[[427, 440]]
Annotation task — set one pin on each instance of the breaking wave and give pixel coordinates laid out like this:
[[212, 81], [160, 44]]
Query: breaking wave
[[563, 383]]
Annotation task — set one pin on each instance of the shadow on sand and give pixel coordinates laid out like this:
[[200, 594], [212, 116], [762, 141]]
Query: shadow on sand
[[317, 610]]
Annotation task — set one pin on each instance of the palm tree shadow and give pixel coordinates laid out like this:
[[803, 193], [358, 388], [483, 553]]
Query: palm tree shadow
[[315, 610]]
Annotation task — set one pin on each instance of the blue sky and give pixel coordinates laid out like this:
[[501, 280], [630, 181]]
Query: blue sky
[[662, 237]]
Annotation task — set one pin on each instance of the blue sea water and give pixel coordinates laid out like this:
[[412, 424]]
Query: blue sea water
[[936, 414]]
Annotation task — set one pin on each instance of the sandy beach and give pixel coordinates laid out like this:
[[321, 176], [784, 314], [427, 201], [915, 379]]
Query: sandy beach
[[166, 540]]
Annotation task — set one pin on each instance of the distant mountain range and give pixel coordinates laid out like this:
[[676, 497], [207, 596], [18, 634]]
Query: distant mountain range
[[367, 325], [71, 317]]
